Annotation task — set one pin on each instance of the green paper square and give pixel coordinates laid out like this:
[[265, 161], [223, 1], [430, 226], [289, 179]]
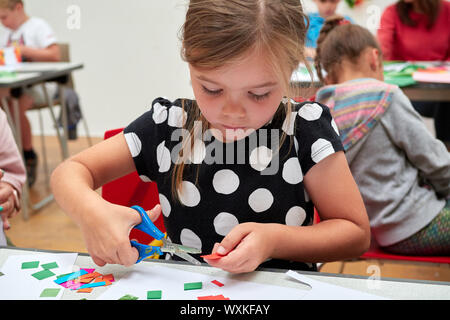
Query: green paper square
[[30, 265], [49, 293], [193, 286], [44, 274], [51, 265], [154, 295], [128, 297]]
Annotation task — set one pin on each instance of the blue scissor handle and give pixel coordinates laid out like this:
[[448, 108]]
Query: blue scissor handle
[[145, 250], [149, 228], [147, 225]]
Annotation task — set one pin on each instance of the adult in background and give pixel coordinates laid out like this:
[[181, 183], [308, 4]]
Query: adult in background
[[418, 30]]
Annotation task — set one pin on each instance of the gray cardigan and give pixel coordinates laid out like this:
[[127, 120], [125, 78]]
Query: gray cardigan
[[388, 165]]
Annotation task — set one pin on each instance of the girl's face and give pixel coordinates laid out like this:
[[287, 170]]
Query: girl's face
[[237, 98], [326, 8]]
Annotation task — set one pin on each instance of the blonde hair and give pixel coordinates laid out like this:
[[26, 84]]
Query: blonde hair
[[220, 32], [9, 4]]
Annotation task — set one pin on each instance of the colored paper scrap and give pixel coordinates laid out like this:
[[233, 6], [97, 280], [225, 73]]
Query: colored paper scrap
[[93, 285], [154, 295], [30, 265], [109, 277], [85, 290], [217, 283], [49, 293], [128, 297], [212, 256], [70, 276], [44, 274], [193, 286], [218, 297], [88, 270], [51, 265]]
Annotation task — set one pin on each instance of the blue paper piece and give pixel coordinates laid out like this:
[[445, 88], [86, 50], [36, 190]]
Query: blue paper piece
[[70, 276], [93, 285]]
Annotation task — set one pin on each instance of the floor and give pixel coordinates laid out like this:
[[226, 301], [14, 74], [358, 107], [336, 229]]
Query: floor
[[51, 229]]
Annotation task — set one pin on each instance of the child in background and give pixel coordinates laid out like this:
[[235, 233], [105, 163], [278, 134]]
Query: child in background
[[250, 166], [37, 42], [12, 176], [402, 171], [326, 9]]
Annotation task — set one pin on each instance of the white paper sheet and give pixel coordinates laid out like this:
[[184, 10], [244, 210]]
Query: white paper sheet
[[19, 284], [324, 291], [171, 281]]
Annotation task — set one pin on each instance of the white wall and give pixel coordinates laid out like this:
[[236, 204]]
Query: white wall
[[131, 53]]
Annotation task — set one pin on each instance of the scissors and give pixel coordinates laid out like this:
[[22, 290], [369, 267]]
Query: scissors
[[149, 228]]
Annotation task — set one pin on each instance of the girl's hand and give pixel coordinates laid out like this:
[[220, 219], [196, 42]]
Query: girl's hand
[[246, 247], [107, 234], [7, 207]]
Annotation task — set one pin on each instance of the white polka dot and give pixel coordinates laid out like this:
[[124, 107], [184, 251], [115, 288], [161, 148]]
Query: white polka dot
[[177, 117], [289, 124], [310, 111], [165, 205], [295, 216], [260, 200], [335, 127], [134, 143], [159, 113], [144, 178], [321, 149], [260, 158], [225, 181], [163, 157], [190, 239], [224, 222], [296, 145], [198, 152], [292, 172], [189, 195]]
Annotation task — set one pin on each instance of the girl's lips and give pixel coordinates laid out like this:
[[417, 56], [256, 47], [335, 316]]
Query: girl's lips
[[233, 128]]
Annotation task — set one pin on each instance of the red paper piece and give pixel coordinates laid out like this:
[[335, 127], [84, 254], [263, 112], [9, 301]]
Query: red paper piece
[[217, 283], [212, 256], [219, 297]]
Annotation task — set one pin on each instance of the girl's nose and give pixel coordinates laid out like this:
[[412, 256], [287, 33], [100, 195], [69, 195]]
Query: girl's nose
[[234, 109]]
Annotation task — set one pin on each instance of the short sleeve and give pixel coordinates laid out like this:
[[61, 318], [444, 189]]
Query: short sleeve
[[150, 138], [45, 36], [316, 134]]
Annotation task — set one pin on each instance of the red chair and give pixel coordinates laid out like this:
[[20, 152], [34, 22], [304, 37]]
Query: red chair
[[131, 190], [376, 253]]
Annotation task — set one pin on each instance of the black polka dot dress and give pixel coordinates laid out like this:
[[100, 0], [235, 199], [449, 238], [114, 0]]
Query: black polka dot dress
[[225, 184]]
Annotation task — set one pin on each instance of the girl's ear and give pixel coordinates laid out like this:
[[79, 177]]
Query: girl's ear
[[375, 59]]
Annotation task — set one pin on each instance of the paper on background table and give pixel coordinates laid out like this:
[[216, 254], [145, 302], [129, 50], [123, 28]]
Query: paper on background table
[[21, 285], [325, 291], [170, 281]]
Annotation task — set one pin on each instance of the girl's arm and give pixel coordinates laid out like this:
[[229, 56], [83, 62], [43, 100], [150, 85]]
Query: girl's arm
[[50, 54], [344, 230], [105, 226]]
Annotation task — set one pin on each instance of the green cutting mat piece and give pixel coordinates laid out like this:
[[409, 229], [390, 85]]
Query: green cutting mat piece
[[128, 297], [49, 293], [154, 295], [193, 286], [51, 265], [30, 265], [44, 274]]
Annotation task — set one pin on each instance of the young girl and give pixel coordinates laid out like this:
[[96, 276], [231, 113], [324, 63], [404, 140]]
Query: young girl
[[250, 166], [403, 173]]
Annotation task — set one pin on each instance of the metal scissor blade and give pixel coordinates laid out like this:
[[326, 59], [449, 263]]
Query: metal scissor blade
[[188, 257], [174, 248]]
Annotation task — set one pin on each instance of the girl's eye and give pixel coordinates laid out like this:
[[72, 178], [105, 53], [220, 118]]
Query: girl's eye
[[212, 92], [259, 97]]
